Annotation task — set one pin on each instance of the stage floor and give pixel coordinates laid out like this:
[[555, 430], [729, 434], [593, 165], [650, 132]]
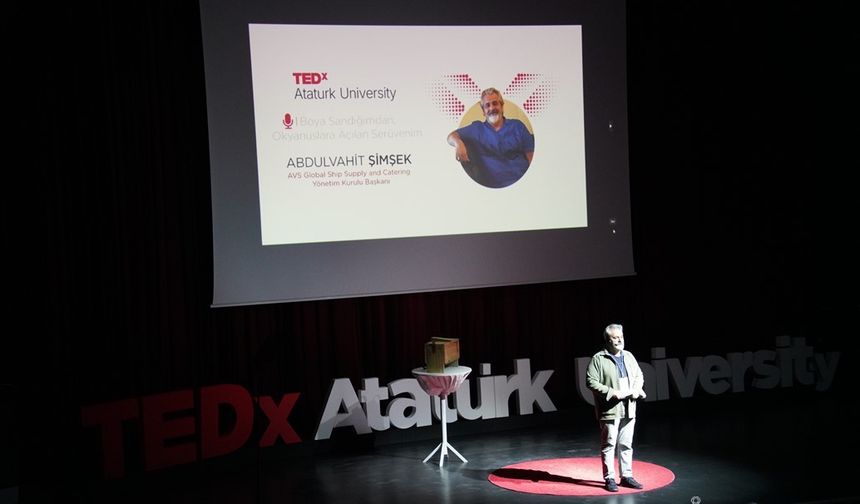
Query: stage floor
[[758, 449]]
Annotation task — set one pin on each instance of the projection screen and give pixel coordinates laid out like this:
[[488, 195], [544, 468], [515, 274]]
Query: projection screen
[[335, 134]]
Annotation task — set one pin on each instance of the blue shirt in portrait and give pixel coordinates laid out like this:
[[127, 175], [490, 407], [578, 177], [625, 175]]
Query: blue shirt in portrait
[[497, 158]]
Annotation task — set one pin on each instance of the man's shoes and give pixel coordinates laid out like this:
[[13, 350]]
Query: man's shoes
[[610, 485], [629, 482]]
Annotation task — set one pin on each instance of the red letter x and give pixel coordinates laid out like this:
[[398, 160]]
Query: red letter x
[[277, 415]]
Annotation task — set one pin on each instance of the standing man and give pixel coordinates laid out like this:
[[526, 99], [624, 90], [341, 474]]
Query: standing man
[[497, 151], [616, 380]]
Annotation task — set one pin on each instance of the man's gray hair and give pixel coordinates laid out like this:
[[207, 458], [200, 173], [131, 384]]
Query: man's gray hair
[[611, 328], [492, 90]]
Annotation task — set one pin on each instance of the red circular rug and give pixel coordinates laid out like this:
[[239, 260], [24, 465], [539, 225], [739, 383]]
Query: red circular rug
[[573, 476]]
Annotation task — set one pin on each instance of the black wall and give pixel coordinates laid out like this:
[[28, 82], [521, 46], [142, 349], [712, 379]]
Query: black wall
[[744, 225]]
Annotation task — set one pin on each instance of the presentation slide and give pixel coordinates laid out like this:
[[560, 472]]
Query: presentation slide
[[352, 128], [362, 148]]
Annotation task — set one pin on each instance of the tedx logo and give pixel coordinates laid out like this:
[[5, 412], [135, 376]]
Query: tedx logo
[[311, 78]]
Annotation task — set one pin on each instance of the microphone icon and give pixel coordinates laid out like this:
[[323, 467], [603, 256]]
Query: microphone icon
[[288, 121]]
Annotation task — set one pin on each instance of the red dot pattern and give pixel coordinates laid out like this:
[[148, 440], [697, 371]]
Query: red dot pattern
[[443, 98], [540, 97], [521, 80], [465, 83]]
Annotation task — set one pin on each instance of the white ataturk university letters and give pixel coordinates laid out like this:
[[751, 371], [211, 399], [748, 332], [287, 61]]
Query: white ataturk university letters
[[409, 406], [406, 405], [792, 361]]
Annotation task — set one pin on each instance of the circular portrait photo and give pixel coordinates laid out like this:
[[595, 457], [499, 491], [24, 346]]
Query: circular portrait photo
[[495, 142]]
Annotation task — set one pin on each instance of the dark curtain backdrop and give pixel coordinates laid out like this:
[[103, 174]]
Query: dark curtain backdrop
[[744, 224]]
